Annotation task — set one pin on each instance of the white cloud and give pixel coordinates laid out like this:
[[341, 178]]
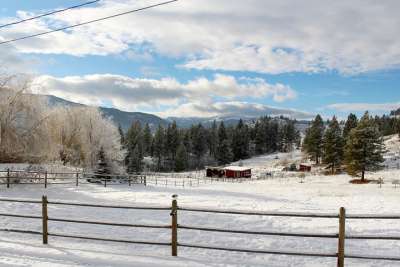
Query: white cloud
[[132, 94], [346, 107], [257, 35], [232, 109]]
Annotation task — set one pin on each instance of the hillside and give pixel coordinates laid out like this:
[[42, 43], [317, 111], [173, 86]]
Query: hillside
[[125, 118]]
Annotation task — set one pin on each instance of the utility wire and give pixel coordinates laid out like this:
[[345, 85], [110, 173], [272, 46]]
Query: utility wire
[[87, 22], [48, 14]]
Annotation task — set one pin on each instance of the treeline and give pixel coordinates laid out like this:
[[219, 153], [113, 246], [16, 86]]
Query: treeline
[[356, 145], [175, 149]]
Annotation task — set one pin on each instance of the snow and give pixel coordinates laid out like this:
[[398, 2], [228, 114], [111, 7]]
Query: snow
[[316, 194], [236, 168]]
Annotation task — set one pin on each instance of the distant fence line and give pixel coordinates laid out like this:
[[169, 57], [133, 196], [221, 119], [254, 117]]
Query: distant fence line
[[14, 177], [173, 226]]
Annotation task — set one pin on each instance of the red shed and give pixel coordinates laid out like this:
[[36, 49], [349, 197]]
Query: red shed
[[305, 168], [237, 172]]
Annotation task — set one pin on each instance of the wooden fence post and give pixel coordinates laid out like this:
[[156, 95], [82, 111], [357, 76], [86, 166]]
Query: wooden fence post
[[342, 234], [174, 226], [44, 220], [77, 179], [45, 179], [8, 177], [145, 181], [130, 179]]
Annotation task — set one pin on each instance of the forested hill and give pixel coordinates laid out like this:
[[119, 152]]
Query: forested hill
[[125, 119], [122, 118]]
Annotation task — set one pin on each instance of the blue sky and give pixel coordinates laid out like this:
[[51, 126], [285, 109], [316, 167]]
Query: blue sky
[[181, 58]]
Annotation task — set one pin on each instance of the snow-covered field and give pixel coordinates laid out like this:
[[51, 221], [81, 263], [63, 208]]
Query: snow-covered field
[[317, 194]]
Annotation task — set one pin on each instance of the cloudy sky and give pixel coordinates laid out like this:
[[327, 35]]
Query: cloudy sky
[[210, 58]]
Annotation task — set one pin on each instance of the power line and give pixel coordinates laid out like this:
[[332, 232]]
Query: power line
[[48, 14], [87, 22]]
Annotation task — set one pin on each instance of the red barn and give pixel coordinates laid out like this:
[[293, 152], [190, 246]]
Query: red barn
[[305, 168], [237, 172]]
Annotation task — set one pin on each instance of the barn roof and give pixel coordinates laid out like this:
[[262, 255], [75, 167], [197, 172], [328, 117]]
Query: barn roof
[[236, 168]]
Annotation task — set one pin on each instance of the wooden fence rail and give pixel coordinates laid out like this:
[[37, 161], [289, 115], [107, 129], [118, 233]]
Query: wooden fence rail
[[20, 177], [174, 227]]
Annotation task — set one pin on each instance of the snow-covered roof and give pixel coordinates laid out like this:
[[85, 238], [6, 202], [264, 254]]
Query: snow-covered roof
[[236, 168]]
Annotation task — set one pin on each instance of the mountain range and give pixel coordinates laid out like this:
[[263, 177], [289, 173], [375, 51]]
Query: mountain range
[[125, 118]]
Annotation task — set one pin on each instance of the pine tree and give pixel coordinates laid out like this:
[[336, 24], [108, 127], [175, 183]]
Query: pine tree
[[350, 124], [271, 128], [135, 160], [364, 148], [240, 141], [158, 146], [199, 145], [181, 160], [259, 138], [213, 139], [102, 170], [147, 140], [333, 145], [133, 144], [313, 139], [289, 136], [172, 141], [224, 154]]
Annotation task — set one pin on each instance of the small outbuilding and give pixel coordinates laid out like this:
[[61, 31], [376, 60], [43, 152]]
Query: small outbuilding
[[237, 172], [305, 168], [215, 172]]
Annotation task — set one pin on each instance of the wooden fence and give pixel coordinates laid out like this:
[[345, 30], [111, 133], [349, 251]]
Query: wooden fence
[[15, 177], [174, 226]]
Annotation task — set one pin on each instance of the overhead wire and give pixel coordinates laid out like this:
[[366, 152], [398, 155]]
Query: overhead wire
[[48, 14], [86, 22]]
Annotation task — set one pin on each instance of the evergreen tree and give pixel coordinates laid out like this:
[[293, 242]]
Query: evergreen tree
[[133, 144], [102, 168], [333, 145], [158, 146], [289, 136], [199, 145], [181, 160], [147, 140], [271, 128], [172, 141], [350, 124], [135, 160], [240, 141], [259, 138], [213, 139], [313, 139], [224, 154], [364, 148]]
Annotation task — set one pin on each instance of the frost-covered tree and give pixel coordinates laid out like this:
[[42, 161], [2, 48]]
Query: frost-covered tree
[[364, 148], [23, 118]]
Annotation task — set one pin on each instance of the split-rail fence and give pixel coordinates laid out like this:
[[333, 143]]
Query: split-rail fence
[[174, 226]]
